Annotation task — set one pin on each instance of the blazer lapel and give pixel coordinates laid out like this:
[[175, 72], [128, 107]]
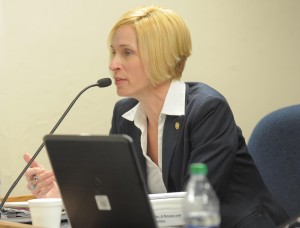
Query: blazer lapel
[[172, 128]]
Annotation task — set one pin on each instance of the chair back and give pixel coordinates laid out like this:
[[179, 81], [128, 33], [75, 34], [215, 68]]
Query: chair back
[[275, 147]]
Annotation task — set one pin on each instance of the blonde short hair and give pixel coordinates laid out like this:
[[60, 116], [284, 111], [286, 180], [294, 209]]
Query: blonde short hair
[[163, 40]]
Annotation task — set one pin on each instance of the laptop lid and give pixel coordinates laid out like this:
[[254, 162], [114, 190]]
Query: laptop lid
[[100, 181]]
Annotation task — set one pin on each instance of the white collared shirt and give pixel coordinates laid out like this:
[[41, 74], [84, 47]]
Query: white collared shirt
[[174, 105]]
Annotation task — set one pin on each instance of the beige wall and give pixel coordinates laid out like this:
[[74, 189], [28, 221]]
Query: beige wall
[[248, 50]]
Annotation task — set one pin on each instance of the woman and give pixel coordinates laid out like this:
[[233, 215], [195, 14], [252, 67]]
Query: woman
[[174, 124]]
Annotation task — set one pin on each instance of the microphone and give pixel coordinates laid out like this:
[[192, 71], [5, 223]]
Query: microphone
[[104, 82]]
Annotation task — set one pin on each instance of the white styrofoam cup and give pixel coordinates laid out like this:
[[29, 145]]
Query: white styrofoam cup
[[46, 212]]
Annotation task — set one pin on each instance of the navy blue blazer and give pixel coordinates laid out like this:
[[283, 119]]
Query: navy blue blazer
[[208, 133]]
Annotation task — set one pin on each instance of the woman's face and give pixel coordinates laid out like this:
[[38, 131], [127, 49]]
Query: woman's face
[[129, 74]]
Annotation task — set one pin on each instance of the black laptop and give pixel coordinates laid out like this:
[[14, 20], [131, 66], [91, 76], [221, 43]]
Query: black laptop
[[100, 181]]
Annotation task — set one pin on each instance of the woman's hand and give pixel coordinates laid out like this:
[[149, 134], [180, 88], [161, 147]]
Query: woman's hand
[[40, 182]]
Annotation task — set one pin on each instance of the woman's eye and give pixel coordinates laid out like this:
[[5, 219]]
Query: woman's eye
[[127, 52], [113, 52]]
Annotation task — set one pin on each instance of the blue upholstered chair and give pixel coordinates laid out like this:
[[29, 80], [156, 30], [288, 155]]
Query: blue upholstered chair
[[275, 148]]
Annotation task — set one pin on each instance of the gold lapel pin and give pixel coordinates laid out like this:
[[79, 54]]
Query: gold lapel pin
[[177, 125]]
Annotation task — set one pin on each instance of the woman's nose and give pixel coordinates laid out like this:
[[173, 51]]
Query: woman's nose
[[114, 64]]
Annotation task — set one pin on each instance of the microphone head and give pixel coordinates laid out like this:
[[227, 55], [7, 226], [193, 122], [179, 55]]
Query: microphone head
[[104, 82]]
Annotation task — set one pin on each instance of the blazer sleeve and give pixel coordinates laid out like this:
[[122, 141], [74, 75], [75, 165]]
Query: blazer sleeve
[[213, 138]]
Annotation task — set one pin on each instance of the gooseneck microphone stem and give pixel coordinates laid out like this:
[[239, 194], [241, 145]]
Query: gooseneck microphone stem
[[104, 82]]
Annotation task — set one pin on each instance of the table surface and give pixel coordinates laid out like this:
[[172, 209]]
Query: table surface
[[7, 224], [64, 224]]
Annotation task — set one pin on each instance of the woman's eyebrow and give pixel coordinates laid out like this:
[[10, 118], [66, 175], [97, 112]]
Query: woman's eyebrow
[[122, 46]]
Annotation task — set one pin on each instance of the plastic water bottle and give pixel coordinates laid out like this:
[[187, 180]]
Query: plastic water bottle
[[201, 205]]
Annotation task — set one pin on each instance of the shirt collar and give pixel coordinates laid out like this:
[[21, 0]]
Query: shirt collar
[[174, 103]]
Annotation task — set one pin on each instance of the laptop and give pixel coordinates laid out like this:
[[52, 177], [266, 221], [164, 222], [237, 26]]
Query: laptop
[[100, 181]]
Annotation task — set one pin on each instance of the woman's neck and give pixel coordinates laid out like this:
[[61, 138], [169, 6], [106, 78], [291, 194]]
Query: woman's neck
[[152, 103]]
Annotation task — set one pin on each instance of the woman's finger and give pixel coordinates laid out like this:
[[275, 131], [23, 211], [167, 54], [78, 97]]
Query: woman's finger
[[27, 157]]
